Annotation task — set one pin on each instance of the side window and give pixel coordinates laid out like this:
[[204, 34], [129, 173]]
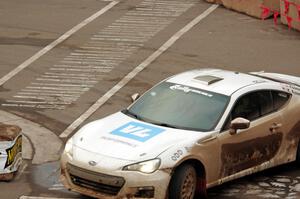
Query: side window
[[251, 106], [279, 98], [247, 107], [266, 102]]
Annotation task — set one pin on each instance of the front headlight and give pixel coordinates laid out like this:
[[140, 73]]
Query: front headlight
[[69, 147], [148, 166]]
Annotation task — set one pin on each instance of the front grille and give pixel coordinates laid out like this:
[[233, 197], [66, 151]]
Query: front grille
[[100, 182]]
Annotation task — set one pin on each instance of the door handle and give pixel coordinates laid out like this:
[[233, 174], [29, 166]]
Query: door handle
[[275, 126]]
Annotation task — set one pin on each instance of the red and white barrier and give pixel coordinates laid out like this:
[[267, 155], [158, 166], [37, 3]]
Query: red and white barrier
[[289, 10], [290, 13]]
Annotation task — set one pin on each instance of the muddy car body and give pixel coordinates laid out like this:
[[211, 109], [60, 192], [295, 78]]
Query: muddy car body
[[10, 150], [190, 132]]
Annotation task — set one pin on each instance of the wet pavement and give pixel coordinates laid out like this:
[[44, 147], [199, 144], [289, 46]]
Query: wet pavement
[[280, 182]]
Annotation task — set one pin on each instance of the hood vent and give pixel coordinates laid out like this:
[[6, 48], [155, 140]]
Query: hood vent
[[207, 79]]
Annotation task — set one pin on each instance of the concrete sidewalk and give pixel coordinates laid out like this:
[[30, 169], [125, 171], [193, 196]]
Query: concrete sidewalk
[[39, 144]]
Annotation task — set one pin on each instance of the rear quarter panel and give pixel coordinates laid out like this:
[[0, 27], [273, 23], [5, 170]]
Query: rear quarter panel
[[291, 127]]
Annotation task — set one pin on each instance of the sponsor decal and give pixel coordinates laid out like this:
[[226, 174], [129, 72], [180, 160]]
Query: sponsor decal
[[13, 151], [137, 131], [187, 89], [118, 141]]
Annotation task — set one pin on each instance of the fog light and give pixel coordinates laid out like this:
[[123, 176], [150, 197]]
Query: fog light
[[145, 192]]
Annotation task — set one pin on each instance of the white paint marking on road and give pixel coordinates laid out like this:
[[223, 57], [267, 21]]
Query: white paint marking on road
[[19, 105], [58, 89], [80, 60], [32, 94], [29, 97], [109, 54], [36, 102], [67, 81], [87, 66], [62, 38], [135, 71], [57, 187], [76, 75], [21, 171], [118, 53], [62, 85], [81, 70], [51, 91]]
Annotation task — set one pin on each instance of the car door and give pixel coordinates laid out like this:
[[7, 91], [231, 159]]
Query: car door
[[253, 146]]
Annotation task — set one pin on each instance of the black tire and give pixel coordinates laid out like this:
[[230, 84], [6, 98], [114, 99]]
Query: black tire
[[183, 183]]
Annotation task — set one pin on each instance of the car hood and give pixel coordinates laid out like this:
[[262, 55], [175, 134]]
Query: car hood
[[120, 136]]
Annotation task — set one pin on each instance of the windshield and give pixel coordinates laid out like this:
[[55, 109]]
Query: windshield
[[178, 106]]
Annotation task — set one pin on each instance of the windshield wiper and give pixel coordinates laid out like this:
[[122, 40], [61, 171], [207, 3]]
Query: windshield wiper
[[127, 112], [165, 125]]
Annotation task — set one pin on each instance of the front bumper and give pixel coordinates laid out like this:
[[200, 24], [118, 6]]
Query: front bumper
[[100, 183]]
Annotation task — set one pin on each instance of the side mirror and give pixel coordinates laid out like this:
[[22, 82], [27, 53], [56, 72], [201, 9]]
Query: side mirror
[[238, 123], [135, 96]]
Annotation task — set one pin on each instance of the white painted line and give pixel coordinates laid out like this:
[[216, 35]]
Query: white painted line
[[48, 94], [146, 29], [95, 60], [141, 25], [93, 55], [81, 70], [58, 185], [139, 20], [62, 38], [47, 98], [19, 105], [133, 30], [21, 171], [35, 102], [72, 74], [135, 71], [50, 91], [58, 89], [29, 97], [51, 107], [116, 44], [85, 65], [118, 39], [67, 80], [56, 188], [62, 85], [110, 52]]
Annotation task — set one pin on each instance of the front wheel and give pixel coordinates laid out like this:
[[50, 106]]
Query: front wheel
[[183, 183]]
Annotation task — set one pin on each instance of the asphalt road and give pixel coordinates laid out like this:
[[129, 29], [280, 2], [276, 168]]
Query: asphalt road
[[58, 87]]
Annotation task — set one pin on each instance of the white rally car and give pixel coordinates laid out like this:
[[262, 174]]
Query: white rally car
[[190, 132]]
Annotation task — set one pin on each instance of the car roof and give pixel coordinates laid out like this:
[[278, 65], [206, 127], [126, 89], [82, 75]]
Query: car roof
[[216, 80]]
